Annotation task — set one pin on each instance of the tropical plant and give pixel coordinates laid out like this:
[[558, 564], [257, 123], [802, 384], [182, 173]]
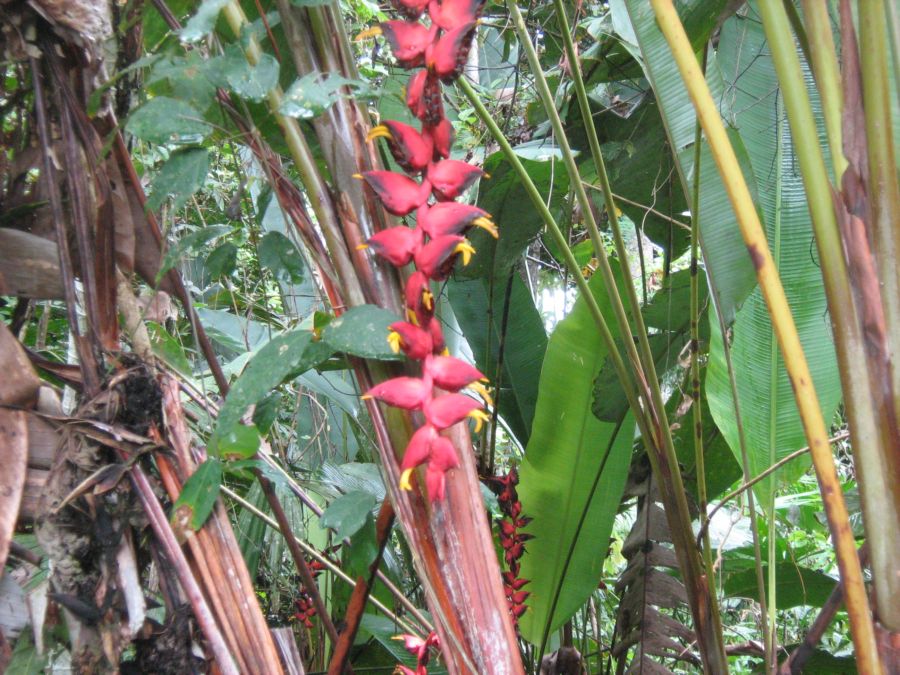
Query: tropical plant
[[261, 262]]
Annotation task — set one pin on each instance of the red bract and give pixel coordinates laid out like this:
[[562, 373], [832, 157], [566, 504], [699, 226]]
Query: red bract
[[408, 393], [409, 41], [397, 245], [451, 13], [442, 135], [399, 194], [415, 342], [447, 57], [452, 374], [445, 411], [412, 151], [436, 258], [451, 177], [452, 218]]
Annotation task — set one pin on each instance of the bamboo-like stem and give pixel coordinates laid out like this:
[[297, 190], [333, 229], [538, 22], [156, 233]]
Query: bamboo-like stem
[[883, 188], [864, 411], [827, 72], [662, 456], [892, 16], [785, 330]]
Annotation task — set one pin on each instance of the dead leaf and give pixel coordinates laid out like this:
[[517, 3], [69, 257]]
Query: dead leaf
[[19, 384], [14, 460]]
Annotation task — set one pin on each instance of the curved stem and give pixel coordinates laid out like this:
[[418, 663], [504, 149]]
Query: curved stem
[[785, 329]]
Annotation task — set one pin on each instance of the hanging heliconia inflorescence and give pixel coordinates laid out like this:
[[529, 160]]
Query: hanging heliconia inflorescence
[[512, 540], [437, 49]]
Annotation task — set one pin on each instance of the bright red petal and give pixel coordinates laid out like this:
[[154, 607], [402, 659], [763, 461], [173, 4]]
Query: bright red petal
[[410, 9], [423, 97], [412, 150], [450, 373], [445, 411], [397, 245], [442, 135], [448, 14], [414, 341], [419, 448], [451, 177], [436, 258], [447, 57], [408, 393], [400, 194], [408, 40], [419, 299], [449, 218]]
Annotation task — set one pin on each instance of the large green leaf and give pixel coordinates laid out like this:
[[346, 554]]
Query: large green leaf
[[573, 474], [479, 311], [725, 257], [284, 356], [505, 198], [771, 422]]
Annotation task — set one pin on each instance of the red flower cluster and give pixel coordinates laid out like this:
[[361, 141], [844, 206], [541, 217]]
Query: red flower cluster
[[306, 610], [437, 239], [512, 541], [419, 648]]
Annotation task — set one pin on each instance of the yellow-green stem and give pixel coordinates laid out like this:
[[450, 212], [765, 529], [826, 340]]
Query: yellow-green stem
[[785, 330]]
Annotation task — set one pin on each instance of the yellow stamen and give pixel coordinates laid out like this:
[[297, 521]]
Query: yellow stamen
[[404, 480], [486, 224], [428, 300], [465, 249], [394, 340], [362, 247], [482, 391], [411, 315], [480, 417], [359, 176], [381, 131], [370, 32], [446, 352], [366, 397], [485, 174]]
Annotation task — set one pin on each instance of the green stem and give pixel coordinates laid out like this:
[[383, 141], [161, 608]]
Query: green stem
[[662, 455], [868, 433]]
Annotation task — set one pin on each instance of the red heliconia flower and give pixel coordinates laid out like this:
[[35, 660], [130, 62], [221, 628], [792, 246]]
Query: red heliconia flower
[[412, 150], [410, 9], [418, 451], [408, 393], [451, 373], [415, 342], [513, 582], [397, 245], [507, 528], [514, 552], [447, 57], [418, 647], [437, 335], [448, 14], [443, 458], [445, 411], [409, 41], [419, 300], [423, 97], [518, 611], [453, 218], [399, 194], [403, 670], [518, 597], [451, 177], [442, 135], [435, 259]]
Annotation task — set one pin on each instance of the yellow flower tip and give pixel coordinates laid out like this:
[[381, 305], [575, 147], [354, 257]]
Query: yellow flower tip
[[482, 391], [394, 341], [485, 174], [465, 249], [366, 397], [370, 32], [359, 176], [428, 299], [381, 131], [362, 247], [411, 315], [485, 223], [446, 352], [480, 417], [404, 480]]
